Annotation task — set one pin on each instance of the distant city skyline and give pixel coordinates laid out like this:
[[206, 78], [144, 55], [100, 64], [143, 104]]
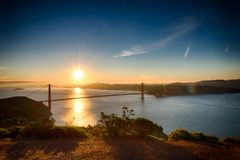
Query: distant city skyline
[[121, 41]]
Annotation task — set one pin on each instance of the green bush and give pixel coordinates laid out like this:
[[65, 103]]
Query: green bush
[[210, 138], [33, 131], [37, 129], [95, 130], [229, 140], [42, 128], [44, 122], [15, 131], [14, 122], [197, 136], [53, 132], [4, 133], [181, 134], [67, 132], [113, 125], [144, 127]]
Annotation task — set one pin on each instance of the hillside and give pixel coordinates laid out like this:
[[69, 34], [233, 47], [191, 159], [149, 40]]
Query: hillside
[[120, 148], [172, 89], [22, 107]]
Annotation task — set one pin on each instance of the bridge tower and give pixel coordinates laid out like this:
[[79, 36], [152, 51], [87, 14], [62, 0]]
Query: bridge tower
[[49, 97], [142, 91]]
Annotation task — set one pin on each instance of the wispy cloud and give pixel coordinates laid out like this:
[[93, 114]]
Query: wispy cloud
[[187, 50], [227, 49], [132, 51], [176, 30]]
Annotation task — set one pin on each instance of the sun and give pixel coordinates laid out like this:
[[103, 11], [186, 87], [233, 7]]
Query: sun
[[78, 74]]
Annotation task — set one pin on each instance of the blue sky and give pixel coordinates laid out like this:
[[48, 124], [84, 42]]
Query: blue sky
[[121, 41]]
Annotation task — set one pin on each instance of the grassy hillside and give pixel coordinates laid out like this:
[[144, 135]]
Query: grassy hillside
[[119, 148]]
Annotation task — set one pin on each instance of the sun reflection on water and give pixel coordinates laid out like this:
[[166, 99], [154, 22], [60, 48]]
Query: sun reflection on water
[[79, 113], [78, 106], [77, 90]]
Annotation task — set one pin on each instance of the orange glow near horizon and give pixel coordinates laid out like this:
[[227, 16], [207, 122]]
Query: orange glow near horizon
[[75, 74]]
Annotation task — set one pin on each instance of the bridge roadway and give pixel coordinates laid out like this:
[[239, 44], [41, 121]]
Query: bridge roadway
[[94, 96]]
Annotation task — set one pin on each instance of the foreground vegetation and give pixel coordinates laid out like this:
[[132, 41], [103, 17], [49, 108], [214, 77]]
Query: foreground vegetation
[[108, 126], [119, 148], [114, 137]]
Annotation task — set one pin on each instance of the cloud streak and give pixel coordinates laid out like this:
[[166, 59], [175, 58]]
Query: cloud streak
[[187, 50], [226, 50], [132, 51], [176, 30]]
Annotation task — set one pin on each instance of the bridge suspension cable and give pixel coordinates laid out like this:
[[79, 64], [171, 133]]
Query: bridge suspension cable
[[36, 90], [93, 96]]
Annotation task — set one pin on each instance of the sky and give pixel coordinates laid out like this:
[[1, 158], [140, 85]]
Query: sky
[[119, 41]]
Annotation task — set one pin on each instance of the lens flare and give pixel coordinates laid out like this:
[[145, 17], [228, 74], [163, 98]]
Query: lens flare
[[78, 74]]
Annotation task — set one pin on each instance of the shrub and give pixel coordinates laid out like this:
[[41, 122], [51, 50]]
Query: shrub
[[14, 122], [33, 131], [67, 132], [42, 128], [229, 140], [145, 127], [15, 131], [37, 129], [210, 138], [53, 132], [127, 114], [112, 125], [181, 134], [197, 136], [95, 130], [4, 133], [44, 122]]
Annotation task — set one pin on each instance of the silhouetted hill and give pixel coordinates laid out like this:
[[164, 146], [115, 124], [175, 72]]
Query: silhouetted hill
[[201, 87], [189, 89], [221, 83], [23, 107], [18, 82]]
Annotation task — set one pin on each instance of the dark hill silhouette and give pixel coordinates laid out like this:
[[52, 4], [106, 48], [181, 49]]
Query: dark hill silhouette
[[23, 107], [173, 89]]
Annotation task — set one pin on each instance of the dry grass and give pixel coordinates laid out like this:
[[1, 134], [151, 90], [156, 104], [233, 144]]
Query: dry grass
[[117, 148]]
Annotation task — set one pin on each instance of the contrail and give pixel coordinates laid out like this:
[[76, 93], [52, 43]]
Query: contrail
[[177, 30], [226, 50], [187, 51]]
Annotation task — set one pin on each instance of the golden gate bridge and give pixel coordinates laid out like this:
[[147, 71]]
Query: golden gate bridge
[[50, 100]]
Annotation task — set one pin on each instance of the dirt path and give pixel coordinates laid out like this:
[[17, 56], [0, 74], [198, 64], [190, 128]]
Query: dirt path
[[118, 148]]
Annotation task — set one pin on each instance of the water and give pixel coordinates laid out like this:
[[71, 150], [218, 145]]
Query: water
[[212, 114]]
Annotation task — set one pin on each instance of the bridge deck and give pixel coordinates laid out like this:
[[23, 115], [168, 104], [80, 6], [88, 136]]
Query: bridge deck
[[94, 96]]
